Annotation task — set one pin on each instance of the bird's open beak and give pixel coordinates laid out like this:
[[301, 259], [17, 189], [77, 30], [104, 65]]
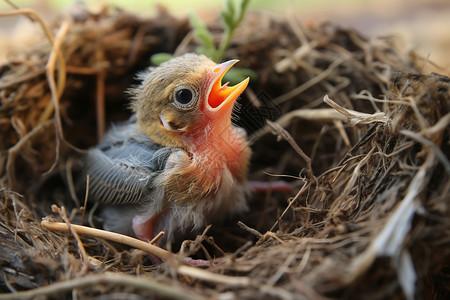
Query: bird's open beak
[[222, 97]]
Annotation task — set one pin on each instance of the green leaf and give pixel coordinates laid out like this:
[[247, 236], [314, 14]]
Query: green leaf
[[230, 7], [159, 58], [230, 19], [228, 13], [243, 8], [202, 35], [236, 75]]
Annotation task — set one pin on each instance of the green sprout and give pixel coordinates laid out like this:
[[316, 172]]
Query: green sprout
[[231, 16]]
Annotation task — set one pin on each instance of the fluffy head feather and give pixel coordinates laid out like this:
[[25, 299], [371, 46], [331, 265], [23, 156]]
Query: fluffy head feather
[[155, 96]]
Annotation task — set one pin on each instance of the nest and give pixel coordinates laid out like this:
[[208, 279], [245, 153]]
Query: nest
[[358, 130]]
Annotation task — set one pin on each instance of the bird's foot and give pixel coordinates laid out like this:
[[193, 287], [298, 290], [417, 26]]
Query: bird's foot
[[143, 227], [275, 186], [198, 262]]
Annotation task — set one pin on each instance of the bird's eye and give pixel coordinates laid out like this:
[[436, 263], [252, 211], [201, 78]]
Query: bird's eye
[[184, 96]]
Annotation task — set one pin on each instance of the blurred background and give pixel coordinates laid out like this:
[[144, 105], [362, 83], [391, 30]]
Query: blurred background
[[423, 25]]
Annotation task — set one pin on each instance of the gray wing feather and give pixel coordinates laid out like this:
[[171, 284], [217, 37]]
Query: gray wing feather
[[123, 166]]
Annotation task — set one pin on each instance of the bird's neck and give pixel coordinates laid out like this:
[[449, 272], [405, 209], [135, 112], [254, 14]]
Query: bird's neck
[[217, 147]]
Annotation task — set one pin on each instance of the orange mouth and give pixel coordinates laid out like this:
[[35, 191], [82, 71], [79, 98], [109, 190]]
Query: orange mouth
[[223, 95]]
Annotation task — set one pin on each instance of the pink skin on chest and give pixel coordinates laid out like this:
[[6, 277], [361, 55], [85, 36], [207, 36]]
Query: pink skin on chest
[[217, 146]]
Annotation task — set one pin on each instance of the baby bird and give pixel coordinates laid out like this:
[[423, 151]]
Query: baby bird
[[178, 163]]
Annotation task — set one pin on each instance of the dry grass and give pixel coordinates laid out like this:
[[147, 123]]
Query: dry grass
[[369, 217]]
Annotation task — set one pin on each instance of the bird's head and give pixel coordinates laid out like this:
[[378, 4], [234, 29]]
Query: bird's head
[[183, 100]]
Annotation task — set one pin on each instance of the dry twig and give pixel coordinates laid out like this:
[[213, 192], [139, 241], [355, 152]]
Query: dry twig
[[112, 236], [110, 279]]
